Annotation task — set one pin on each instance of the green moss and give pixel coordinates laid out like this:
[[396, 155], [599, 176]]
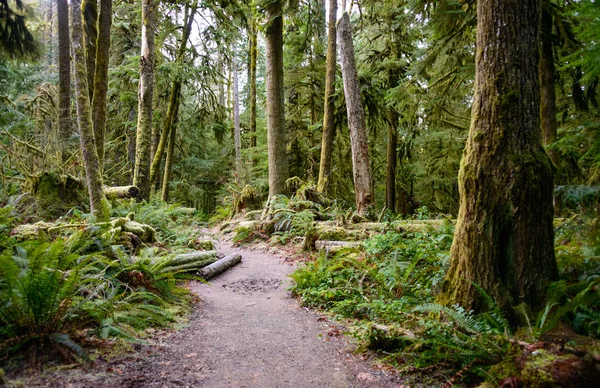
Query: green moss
[[55, 194]]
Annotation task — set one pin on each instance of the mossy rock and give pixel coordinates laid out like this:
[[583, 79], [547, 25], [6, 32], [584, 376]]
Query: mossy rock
[[55, 194]]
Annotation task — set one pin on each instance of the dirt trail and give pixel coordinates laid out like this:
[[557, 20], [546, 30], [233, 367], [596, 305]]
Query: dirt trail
[[246, 332]]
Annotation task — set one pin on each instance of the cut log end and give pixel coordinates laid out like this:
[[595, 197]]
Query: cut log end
[[220, 266]]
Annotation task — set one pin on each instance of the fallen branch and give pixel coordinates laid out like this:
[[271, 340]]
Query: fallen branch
[[220, 266]]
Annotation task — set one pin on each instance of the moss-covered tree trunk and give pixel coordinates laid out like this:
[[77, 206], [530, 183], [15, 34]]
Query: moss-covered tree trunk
[[101, 77], [253, 62], [547, 71], [504, 236], [329, 108], [141, 171], [64, 75], [173, 107], [392, 161], [361, 165], [98, 203], [237, 133], [169, 159], [276, 131], [89, 9]]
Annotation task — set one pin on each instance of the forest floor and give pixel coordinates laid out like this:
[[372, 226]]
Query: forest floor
[[245, 331]]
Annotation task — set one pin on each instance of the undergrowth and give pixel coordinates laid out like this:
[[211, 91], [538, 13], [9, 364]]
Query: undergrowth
[[386, 292], [59, 292]]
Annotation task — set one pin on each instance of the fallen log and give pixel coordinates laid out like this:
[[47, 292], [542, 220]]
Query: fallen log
[[121, 192], [193, 257], [220, 266]]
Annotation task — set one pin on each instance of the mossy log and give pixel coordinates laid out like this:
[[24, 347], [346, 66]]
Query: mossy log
[[220, 266], [122, 192], [144, 232], [193, 257]]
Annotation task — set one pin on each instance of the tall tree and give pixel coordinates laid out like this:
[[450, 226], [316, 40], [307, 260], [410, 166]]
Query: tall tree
[[276, 131], [64, 74], [101, 77], [392, 161], [98, 203], [141, 172], [252, 70], [504, 236], [237, 134], [329, 109], [90, 24], [174, 96], [361, 165]]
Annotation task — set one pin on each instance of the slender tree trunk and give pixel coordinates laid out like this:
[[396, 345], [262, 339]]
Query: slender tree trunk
[[392, 160], [169, 159], [101, 77], [329, 109], [98, 203], [361, 166], [141, 172], [64, 74], [90, 24], [237, 135], [276, 131], [173, 98], [253, 61], [504, 236]]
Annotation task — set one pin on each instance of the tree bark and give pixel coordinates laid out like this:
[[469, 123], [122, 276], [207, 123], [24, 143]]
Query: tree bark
[[220, 266], [64, 74], [361, 166], [276, 131], [237, 139], [101, 77], [173, 98], [141, 172], [504, 236], [548, 100], [98, 203], [253, 61], [90, 24], [392, 161], [329, 109]]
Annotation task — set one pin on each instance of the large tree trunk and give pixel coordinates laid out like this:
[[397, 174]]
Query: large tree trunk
[[90, 24], [64, 74], [392, 161], [174, 97], [141, 172], [98, 203], [329, 109], [237, 139], [253, 61], [276, 131], [548, 100], [504, 237], [101, 77], [361, 166]]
